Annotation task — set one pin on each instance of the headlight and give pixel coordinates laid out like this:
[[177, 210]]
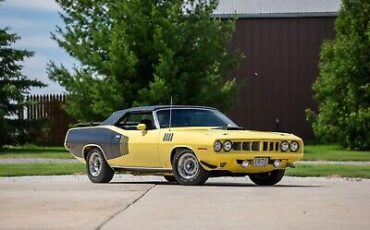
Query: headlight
[[218, 146], [294, 146], [228, 146], [284, 146]]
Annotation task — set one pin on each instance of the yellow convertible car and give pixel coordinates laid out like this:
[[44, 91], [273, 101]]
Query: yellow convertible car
[[185, 144]]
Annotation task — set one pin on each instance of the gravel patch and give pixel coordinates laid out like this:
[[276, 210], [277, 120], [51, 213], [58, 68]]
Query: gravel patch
[[37, 160]]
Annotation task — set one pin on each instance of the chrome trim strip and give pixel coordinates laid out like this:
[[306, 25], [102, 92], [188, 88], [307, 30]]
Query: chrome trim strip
[[65, 140], [143, 168], [156, 118]]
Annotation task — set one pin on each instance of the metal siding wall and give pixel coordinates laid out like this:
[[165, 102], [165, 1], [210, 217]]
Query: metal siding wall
[[284, 52]]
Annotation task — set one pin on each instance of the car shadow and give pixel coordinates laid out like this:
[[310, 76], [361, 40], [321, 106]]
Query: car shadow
[[222, 184], [215, 184]]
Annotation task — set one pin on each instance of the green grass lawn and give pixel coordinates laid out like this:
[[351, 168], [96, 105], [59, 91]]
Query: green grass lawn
[[305, 170], [41, 169], [333, 153], [32, 151]]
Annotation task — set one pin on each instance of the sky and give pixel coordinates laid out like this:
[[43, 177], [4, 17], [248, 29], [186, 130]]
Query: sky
[[34, 20]]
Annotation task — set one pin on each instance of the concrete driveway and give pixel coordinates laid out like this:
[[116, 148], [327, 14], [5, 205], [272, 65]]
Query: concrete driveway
[[72, 202]]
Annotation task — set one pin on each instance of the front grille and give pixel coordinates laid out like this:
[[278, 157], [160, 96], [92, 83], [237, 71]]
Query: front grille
[[271, 146], [255, 146], [265, 145], [277, 146], [237, 146], [247, 146]]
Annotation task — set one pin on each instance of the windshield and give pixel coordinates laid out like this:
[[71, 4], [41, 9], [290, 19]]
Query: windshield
[[193, 118]]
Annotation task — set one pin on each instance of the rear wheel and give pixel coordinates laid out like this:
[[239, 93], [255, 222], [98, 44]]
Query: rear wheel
[[187, 169], [97, 167], [268, 178]]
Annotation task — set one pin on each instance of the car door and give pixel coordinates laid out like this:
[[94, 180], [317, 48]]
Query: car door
[[142, 144]]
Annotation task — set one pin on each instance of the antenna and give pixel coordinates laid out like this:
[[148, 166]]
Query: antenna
[[169, 124]]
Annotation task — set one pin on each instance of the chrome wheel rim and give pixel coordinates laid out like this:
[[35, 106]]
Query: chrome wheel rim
[[188, 166], [95, 164]]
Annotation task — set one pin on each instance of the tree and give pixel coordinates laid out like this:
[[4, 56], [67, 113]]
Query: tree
[[13, 85], [342, 89], [143, 52]]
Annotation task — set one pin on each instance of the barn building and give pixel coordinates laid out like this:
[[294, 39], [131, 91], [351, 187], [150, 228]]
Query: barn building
[[281, 40]]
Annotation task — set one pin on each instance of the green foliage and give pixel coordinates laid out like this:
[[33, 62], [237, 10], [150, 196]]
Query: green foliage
[[13, 85], [343, 87], [143, 52]]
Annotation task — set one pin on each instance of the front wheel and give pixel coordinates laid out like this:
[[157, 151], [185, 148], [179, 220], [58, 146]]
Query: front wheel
[[97, 167], [187, 169], [268, 178]]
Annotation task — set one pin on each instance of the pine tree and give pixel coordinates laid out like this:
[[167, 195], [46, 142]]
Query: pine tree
[[13, 85], [143, 52]]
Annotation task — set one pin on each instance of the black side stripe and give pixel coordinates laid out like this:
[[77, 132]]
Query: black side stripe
[[168, 137]]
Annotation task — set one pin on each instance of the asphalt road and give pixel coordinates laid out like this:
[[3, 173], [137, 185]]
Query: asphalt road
[[72, 202]]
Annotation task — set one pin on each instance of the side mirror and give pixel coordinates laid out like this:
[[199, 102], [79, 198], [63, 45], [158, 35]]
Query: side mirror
[[141, 127]]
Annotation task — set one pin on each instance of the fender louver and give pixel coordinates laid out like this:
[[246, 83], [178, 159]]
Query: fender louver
[[168, 137]]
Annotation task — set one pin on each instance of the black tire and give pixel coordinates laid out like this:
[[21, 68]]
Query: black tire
[[97, 167], [268, 178], [195, 174], [170, 179]]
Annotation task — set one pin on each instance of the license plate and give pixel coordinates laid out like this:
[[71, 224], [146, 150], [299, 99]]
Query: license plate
[[258, 162]]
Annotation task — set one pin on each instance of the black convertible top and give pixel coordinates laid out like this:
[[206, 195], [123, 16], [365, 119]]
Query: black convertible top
[[113, 119]]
